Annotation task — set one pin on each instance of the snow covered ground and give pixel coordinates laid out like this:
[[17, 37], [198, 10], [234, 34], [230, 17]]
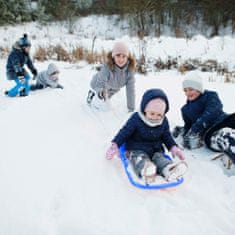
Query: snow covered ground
[[55, 180]]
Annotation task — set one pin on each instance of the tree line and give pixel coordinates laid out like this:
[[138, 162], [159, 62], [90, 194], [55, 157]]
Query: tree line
[[144, 15]]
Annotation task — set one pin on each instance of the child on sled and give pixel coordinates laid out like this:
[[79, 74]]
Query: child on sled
[[144, 134]]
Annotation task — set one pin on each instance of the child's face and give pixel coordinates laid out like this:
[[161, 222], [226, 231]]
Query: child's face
[[154, 115], [54, 76], [120, 59], [27, 49], [191, 93]]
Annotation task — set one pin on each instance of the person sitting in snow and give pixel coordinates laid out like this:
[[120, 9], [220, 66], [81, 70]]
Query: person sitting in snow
[[47, 78], [18, 57], [117, 73], [144, 134], [204, 119]]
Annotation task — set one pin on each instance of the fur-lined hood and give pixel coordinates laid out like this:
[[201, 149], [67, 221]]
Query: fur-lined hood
[[131, 60], [153, 94]]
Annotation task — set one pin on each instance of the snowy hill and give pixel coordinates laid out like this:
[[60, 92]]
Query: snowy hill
[[54, 179]]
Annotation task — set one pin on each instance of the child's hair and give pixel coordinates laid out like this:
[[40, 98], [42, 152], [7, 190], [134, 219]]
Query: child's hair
[[111, 64], [53, 73]]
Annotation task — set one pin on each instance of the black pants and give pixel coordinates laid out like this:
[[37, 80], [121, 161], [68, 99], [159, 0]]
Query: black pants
[[36, 87], [221, 137]]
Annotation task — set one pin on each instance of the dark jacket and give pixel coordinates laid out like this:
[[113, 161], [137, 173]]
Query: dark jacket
[[202, 113], [139, 136], [16, 61]]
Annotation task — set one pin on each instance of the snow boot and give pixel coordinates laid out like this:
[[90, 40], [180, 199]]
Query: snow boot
[[90, 96], [149, 171], [224, 141], [144, 168], [174, 171]]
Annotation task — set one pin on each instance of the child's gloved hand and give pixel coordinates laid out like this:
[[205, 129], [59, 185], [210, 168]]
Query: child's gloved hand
[[60, 86], [102, 95], [192, 140], [178, 131], [112, 151], [35, 72], [176, 151]]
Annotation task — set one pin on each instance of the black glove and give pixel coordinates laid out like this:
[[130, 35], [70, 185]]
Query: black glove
[[60, 86], [20, 74], [102, 95], [34, 72], [178, 131], [192, 140]]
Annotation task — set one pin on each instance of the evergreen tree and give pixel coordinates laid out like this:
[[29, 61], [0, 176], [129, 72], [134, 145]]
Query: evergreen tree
[[59, 9], [14, 11], [83, 4]]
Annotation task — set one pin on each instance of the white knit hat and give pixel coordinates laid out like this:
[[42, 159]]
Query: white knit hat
[[193, 80]]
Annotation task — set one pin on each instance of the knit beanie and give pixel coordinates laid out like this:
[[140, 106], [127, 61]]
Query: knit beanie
[[156, 105], [193, 80], [120, 48]]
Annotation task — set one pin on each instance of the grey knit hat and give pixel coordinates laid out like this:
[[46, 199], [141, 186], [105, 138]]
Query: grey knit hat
[[193, 80]]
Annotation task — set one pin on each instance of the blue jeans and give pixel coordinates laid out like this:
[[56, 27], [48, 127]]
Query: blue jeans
[[20, 86]]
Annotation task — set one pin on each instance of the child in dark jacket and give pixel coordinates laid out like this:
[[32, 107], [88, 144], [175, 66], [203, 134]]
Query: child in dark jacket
[[205, 120], [47, 78], [144, 134], [18, 57], [118, 72]]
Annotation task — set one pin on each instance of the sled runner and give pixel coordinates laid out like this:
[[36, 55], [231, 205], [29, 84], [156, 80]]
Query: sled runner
[[142, 184]]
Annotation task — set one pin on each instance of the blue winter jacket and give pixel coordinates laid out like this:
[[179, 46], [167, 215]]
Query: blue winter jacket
[[16, 61], [139, 136], [203, 112]]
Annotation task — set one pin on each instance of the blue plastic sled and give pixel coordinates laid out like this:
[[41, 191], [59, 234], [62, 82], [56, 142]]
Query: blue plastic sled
[[125, 163]]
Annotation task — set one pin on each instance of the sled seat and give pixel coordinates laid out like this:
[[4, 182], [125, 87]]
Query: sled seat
[[144, 185]]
